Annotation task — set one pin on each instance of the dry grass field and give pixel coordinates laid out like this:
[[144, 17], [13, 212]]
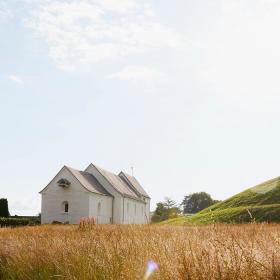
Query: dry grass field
[[121, 252]]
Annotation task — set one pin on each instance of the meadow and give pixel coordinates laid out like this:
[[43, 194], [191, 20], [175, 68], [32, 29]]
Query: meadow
[[121, 252]]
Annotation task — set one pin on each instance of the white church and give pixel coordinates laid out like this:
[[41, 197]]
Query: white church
[[95, 192]]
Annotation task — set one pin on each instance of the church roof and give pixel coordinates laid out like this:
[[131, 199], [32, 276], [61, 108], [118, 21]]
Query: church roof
[[117, 183], [133, 181], [88, 181], [123, 183]]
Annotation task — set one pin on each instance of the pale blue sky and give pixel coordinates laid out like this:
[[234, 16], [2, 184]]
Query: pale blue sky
[[186, 91]]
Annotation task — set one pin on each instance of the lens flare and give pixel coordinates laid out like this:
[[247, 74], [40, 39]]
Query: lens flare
[[151, 267]]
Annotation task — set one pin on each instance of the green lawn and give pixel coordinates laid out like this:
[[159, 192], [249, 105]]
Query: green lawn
[[258, 204]]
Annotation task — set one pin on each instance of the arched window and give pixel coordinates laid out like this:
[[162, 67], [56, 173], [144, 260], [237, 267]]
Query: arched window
[[99, 209], [65, 207]]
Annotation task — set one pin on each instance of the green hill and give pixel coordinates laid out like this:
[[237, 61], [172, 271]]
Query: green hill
[[260, 204]]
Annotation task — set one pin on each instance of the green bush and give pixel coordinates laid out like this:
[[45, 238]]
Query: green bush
[[13, 222]]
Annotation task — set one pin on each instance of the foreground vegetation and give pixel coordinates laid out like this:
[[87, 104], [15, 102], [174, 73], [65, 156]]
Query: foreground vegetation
[[122, 252]]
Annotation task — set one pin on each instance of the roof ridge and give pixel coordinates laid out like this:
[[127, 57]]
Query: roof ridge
[[126, 174], [127, 181], [129, 192], [73, 169], [135, 184]]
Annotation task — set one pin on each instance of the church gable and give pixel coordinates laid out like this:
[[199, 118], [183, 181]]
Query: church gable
[[64, 180], [68, 178]]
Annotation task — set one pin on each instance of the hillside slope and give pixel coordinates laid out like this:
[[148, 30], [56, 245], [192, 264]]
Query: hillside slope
[[260, 203]]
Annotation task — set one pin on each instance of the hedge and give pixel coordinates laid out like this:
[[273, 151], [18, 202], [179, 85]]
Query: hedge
[[13, 222]]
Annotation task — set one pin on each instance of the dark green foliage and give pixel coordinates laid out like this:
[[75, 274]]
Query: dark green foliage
[[165, 210], [4, 209], [196, 202], [13, 222], [159, 214], [33, 220]]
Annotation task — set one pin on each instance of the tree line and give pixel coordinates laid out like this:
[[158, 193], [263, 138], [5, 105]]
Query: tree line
[[191, 204]]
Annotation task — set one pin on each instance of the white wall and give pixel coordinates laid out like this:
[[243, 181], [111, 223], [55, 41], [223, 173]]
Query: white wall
[[117, 200], [148, 210], [54, 196], [122, 215], [104, 216], [134, 211]]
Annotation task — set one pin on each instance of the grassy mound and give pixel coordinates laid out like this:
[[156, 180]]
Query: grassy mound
[[260, 204]]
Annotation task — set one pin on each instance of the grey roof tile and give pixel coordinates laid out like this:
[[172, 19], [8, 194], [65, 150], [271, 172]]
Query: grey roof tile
[[133, 181], [88, 181], [117, 182]]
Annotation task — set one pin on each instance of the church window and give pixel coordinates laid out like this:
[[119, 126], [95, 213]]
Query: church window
[[65, 207]]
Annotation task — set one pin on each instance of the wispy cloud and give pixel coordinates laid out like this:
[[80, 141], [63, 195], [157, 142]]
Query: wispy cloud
[[15, 78], [137, 73], [80, 34], [118, 6], [5, 12]]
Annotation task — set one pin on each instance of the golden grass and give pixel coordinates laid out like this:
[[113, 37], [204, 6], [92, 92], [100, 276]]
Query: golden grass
[[121, 252]]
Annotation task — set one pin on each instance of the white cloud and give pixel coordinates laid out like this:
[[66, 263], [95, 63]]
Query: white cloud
[[15, 78], [82, 33], [118, 6], [5, 12], [137, 73]]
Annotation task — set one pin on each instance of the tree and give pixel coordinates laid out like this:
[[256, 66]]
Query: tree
[[4, 209], [159, 214], [196, 202], [169, 203], [165, 210]]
